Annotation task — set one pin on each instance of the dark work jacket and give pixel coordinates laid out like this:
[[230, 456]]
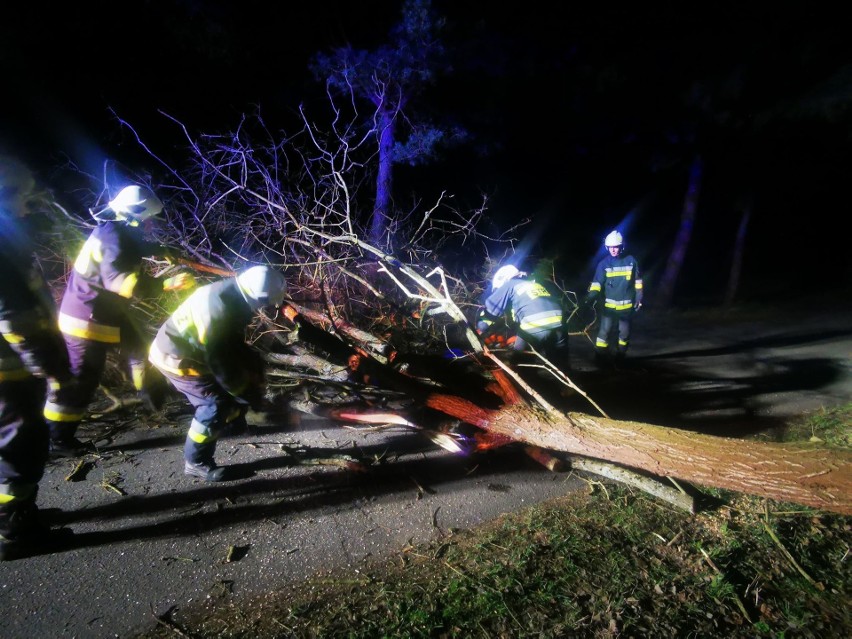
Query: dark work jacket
[[528, 304], [206, 336], [31, 342], [619, 280], [107, 274]]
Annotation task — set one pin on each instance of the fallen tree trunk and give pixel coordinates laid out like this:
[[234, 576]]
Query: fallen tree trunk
[[805, 474]]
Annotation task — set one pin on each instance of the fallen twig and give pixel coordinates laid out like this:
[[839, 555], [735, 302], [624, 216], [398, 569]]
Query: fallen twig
[[787, 554], [736, 597]]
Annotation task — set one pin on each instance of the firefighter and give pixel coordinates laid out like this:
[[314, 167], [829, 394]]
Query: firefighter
[[32, 358], [532, 311], [617, 277], [202, 352], [96, 312]]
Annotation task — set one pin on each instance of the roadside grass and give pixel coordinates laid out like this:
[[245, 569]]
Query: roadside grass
[[610, 562]]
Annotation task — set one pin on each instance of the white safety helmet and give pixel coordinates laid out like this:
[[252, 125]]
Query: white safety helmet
[[262, 286], [17, 185], [135, 204], [503, 275], [614, 239]]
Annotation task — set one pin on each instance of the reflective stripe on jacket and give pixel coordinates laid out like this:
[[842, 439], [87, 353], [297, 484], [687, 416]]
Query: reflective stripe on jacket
[[619, 280], [206, 336], [106, 275], [30, 338], [531, 305]]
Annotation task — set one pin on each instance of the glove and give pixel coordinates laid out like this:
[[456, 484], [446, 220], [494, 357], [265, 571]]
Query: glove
[[179, 282]]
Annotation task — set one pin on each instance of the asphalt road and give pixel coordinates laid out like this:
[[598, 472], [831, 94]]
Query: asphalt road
[[149, 540]]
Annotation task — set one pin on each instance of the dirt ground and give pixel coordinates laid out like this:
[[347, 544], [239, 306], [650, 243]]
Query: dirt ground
[[149, 540]]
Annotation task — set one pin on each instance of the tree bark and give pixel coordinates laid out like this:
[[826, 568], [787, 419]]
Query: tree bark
[[805, 474], [384, 188]]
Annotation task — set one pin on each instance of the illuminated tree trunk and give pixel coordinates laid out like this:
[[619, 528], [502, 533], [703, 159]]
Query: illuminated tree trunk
[[805, 474], [384, 179], [665, 292]]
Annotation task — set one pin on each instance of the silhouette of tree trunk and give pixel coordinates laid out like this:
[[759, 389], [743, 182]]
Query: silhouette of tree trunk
[[665, 292], [737, 261], [390, 78]]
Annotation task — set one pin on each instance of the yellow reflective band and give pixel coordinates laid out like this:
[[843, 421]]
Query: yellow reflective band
[[625, 271], [169, 363], [199, 433], [11, 492], [601, 343], [638, 285], [198, 438], [13, 338], [138, 375], [594, 286], [547, 321], [127, 286], [57, 413], [619, 306], [89, 330]]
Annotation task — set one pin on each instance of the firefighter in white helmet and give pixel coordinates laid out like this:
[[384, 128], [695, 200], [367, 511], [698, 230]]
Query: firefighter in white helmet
[[202, 352], [96, 313], [533, 312], [617, 279]]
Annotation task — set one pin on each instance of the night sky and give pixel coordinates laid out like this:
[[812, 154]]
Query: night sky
[[582, 118]]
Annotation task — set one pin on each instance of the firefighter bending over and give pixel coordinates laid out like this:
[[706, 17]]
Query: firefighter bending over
[[202, 352], [531, 310]]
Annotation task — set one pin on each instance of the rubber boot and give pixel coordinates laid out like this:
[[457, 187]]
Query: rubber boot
[[63, 443], [22, 534], [198, 461]]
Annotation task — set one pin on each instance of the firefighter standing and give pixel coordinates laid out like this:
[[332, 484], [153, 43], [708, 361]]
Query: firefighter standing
[[202, 352], [96, 310], [32, 355], [617, 277], [532, 310]]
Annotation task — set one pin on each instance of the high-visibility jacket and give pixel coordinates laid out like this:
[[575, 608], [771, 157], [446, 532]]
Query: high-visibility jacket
[[620, 282], [206, 336], [529, 304], [30, 347], [27, 313], [107, 274]]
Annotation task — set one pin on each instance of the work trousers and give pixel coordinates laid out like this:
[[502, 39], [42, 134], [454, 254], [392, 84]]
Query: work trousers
[[216, 411], [552, 344], [23, 438], [88, 360], [608, 324]]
